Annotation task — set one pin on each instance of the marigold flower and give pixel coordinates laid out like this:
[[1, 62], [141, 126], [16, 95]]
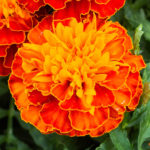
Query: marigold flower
[[76, 79], [15, 19], [74, 8]]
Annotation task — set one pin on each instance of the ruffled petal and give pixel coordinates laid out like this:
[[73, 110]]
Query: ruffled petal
[[32, 5], [17, 87], [74, 103], [37, 98], [11, 37], [3, 50], [136, 62], [104, 97], [62, 91], [87, 121], [123, 96], [115, 49], [36, 34], [107, 9], [11, 51], [109, 125], [32, 115], [17, 23], [17, 71], [133, 81], [120, 76], [3, 70], [73, 9], [53, 115], [134, 102]]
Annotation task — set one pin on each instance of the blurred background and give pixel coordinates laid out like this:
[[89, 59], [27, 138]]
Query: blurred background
[[132, 134]]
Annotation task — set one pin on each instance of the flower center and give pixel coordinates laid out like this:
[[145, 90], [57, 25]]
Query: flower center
[[76, 55]]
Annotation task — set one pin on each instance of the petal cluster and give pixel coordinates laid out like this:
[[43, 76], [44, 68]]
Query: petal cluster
[[76, 8], [16, 18], [76, 78]]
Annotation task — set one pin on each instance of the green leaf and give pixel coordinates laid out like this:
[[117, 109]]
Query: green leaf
[[137, 38], [136, 117], [120, 140], [136, 17], [106, 145], [146, 73], [144, 132]]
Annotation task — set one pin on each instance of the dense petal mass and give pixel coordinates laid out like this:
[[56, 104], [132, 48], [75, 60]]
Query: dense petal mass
[[76, 78], [76, 8], [16, 18]]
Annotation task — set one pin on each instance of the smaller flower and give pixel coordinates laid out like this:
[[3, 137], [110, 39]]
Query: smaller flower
[[76, 78], [16, 18]]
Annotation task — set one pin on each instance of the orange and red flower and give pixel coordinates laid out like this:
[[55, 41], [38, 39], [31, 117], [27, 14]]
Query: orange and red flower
[[16, 17], [76, 79], [76, 8]]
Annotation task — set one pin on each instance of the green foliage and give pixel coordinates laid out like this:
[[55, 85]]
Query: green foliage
[[120, 140], [144, 132], [132, 134]]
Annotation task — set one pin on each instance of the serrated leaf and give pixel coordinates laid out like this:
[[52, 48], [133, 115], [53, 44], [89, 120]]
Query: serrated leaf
[[144, 132], [120, 140], [136, 17]]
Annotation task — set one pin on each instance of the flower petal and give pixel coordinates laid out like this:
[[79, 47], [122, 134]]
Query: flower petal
[[11, 51], [134, 102], [53, 115], [3, 70], [3, 50], [11, 37], [120, 76], [73, 9], [62, 91], [74, 103], [17, 88], [32, 5], [104, 97], [136, 62], [108, 9], [122, 96], [37, 98], [36, 34], [32, 115], [133, 81], [115, 49], [86, 121]]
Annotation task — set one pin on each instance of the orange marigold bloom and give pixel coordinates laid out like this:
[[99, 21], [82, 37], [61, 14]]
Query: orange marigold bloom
[[74, 8], [75, 79], [15, 18]]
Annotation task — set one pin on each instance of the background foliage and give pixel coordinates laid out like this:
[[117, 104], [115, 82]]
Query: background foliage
[[134, 131]]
